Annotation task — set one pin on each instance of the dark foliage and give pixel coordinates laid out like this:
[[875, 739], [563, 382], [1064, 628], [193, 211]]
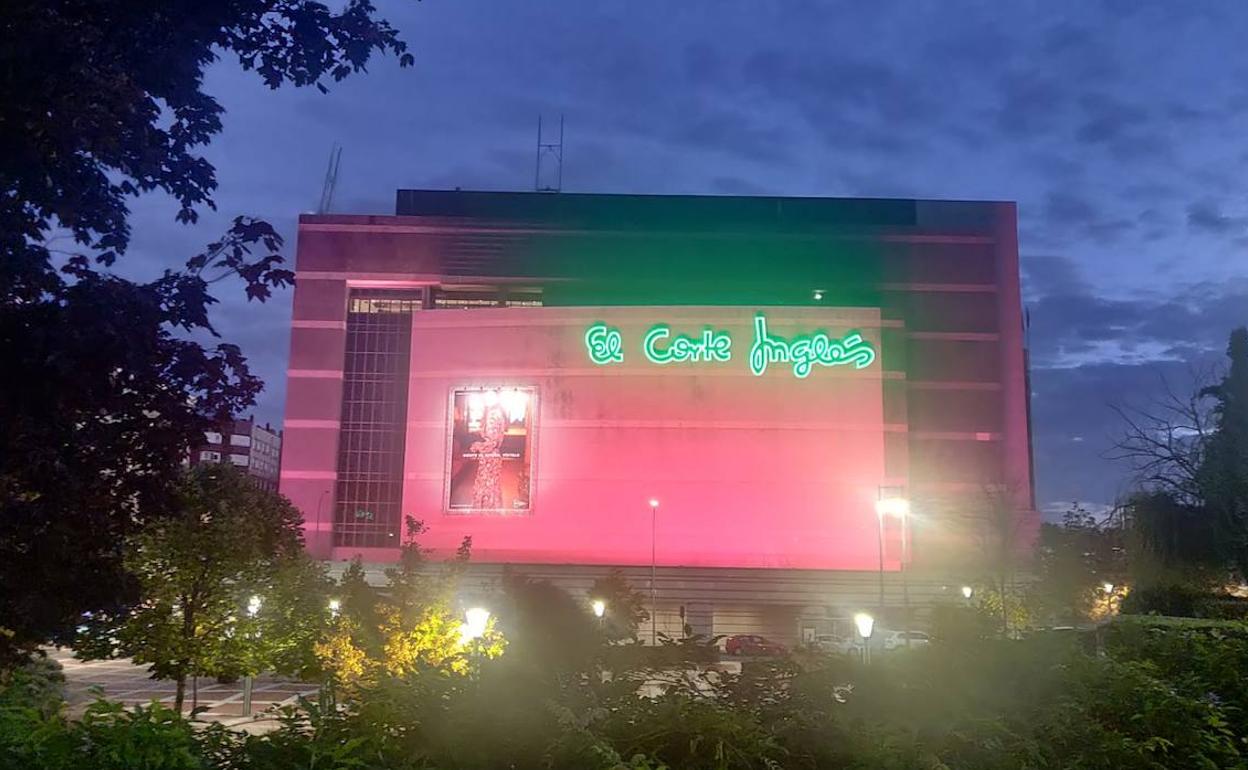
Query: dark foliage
[[103, 389]]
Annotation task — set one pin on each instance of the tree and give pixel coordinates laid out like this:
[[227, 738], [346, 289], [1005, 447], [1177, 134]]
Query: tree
[[198, 569], [1223, 472], [103, 102], [1165, 441], [1076, 559], [625, 608], [410, 627]]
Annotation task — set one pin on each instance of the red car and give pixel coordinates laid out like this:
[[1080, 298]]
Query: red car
[[752, 644]]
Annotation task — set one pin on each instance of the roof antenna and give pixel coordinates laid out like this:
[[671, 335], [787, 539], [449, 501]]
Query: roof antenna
[[331, 179], [553, 152]]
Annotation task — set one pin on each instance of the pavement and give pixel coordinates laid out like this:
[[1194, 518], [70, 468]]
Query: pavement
[[124, 682]]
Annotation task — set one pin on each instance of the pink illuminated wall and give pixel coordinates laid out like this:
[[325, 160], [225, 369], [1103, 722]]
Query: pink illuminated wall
[[750, 471]]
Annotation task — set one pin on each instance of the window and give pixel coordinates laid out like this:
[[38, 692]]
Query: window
[[210, 457], [239, 439], [213, 437], [241, 460], [374, 416]]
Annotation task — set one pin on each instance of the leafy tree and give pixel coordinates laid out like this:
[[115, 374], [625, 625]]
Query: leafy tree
[[1171, 542], [198, 568], [625, 607], [103, 102], [410, 627], [1223, 473], [1075, 559]]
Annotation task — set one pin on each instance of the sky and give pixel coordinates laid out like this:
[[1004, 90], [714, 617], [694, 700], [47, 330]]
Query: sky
[[1117, 125]]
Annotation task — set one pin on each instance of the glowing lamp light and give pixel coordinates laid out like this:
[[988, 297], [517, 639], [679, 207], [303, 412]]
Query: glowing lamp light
[[474, 627], [967, 591], [334, 607], [600, 608], [1109, 588], [817, 294], [253, 606], [654, 502], [865, 624], [892, 506]]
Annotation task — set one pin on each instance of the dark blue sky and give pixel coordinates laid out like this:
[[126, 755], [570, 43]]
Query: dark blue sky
[[1119, 127]]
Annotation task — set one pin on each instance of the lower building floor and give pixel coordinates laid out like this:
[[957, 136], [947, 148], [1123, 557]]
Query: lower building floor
[[790, 607]]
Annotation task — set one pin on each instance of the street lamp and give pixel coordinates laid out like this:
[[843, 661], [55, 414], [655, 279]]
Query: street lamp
[[654, 608], [865, 624], [475, 619], [253, 609], [891, 502], [334, 607], [1109, 588], [600, 609], [967, 592]]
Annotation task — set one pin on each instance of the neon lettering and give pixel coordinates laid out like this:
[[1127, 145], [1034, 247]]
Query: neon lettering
[[804, 351], [713, 346], [604, 344]]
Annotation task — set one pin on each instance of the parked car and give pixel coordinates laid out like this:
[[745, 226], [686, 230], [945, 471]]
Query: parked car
[[894, 640], [832, 643], [752, 644]]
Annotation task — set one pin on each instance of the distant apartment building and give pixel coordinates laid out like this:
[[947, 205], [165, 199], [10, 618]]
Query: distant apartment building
[[255, 448]]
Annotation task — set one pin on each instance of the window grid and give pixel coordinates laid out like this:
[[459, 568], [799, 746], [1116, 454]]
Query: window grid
[[374, 413]]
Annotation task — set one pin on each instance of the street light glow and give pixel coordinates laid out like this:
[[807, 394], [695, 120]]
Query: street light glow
[[600, 608], [474, 627], [865, 624], [334, 607], [654, 502], [1109, 588], [967, 591], [892, 506]]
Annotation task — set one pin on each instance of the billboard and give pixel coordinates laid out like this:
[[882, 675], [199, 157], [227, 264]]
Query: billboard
[[489, 464]]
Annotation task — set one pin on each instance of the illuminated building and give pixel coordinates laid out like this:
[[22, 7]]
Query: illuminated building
[[531, 369]]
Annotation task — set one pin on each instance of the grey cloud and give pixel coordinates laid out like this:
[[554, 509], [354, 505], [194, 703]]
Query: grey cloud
[[1206, 216]]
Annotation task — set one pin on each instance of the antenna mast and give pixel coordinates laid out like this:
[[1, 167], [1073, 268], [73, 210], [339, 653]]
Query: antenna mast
[[331, 179], [553, 152]]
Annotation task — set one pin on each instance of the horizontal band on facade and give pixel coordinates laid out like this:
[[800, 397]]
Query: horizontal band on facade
[[956, 336], [315, 475], [308, 324], [319, 374], [313, 424]]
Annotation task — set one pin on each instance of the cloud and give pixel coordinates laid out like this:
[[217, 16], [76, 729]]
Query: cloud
[[1206, 215]]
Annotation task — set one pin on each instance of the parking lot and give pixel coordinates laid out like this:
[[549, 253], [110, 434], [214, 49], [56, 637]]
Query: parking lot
[[126, 683]]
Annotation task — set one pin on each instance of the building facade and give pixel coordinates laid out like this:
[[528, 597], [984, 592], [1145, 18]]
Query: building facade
[[257, 449], [716, 391]]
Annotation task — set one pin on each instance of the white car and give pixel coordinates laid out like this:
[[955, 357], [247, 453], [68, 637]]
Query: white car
[[899, 640], [833, 643]]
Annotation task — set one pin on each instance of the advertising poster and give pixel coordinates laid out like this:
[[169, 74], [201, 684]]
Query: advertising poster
[[491, 455]]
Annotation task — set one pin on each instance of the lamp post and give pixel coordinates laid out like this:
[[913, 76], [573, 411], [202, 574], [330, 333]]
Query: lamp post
[[967, 592], [600, 610], [865, 624], [253, 608], [654, 607], [890, 502], [319, 502]]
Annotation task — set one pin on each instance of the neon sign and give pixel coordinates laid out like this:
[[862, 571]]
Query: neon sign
[[804, 351], [713, 346], [605, 345]]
